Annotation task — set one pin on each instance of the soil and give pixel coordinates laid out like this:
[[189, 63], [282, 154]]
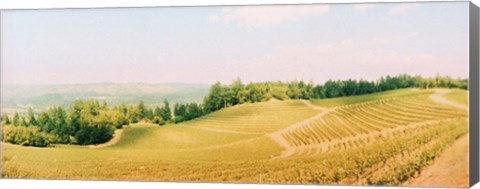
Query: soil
[[449, 169]]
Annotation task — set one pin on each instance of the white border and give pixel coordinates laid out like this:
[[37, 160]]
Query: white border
[[34, 4], [53, 184]]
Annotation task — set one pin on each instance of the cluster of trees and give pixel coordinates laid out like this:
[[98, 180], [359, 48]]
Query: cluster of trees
[[89, 122], [221, 96], [27, 136], [85, 122], [158, 115], [185, 112]]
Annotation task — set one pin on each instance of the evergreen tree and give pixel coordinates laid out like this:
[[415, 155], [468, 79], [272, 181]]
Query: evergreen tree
[[158, 111], [16, 119], [123, 108], [166, 113], [31, 117], [149, 114], [75, 117], [5, 119], [142, 111], [23, 122]]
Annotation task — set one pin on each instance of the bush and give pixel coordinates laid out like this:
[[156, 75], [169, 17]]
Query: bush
[[158, 120], [178, 119], [27, 136], [93, 134]]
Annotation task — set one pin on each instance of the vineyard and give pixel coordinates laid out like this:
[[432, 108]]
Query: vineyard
[[377, 139], [257, 118], [357, 124]]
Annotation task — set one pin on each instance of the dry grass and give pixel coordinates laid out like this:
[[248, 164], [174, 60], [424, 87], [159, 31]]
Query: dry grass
[[232, 145]]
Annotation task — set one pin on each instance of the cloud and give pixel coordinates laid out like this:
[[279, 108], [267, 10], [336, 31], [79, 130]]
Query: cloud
[[403, 7], [363, 7], [262, 16], [343, 60]]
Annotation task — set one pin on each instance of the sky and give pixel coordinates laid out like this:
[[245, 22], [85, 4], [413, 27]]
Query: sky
[[220, 43]]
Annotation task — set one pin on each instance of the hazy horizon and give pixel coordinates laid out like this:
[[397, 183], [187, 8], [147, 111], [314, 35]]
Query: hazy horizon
[[193, 83], [203, 45]]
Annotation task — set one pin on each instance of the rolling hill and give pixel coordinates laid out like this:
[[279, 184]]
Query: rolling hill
[[381, 138]]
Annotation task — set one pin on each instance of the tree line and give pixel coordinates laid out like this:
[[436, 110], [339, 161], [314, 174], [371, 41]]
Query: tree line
[[85, 122], [90, 122], [221, 96]]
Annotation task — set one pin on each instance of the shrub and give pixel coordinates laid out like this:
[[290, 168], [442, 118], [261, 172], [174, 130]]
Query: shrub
[[27, 136], [158, 120]]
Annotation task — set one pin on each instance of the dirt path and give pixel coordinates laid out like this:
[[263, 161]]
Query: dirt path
[[449, 169], [438, 97], [117, 134], [291, 150], [277, 136]]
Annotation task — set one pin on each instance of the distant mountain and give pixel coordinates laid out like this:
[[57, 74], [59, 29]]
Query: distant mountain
[[40, 97]]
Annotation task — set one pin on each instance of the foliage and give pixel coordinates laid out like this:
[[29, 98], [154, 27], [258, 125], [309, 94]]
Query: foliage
[[27, 136], [16, 119], [5, 119], [159, 120], [86, 122], [222, 96], [218, 147]]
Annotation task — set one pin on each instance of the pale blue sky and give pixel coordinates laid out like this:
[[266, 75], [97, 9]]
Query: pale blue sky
[[255, 43]]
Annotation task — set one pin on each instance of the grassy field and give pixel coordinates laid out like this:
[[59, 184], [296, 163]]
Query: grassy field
[[459, 96], [382, 138]]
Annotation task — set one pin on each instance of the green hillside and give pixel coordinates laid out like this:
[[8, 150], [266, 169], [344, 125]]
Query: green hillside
[[294, 141]]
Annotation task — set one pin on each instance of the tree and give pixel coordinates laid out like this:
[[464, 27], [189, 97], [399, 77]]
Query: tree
[[279, 92], [157, 112], [104, 105], [110, 118], [308, 91], [213, 101], [256, 92], [350, 87], [23, 122], [294, 91], [94, 133], [235, 90], [319, 92], [31, 117], [333, 89], [5, 119], [123, 108], [180, 110], [149, 114], [133, 114], [75, 117], [166, 112], [193, 110], [26, 136], [16, 119], [142, 111], [44, 121], [59, 123], [158, 120]]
